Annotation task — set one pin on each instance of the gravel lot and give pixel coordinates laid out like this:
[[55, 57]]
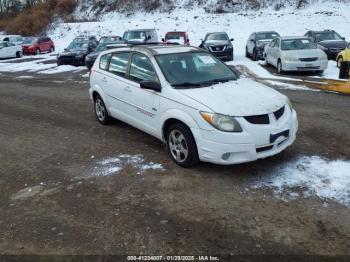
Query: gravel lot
[[54, 199]]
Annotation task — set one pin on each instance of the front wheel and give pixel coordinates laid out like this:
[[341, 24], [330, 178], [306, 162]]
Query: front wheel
[[101, 111], [19, 54], [52, 49], [254, 56], [182, 146], [339, 61], [37, 51], [279, 67]]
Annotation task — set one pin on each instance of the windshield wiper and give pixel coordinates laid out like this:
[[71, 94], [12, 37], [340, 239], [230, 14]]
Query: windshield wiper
[[217, 80], [186, 84]]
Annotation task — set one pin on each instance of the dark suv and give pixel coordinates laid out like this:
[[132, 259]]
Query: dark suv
[[329, 41], [256, 44], [219, 44], [77, 50]]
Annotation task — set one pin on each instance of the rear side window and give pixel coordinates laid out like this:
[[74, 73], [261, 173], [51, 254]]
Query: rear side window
[[142, 69], [119, 63], [104, 61]]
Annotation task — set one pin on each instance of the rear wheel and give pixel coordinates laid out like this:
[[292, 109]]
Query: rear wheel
[[339, 61], [254, 56], [52, 49], [101, 111], [246, 52], [181, 145], [37, 51]]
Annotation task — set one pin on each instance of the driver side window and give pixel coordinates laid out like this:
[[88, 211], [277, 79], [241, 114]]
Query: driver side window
[[141, 69]]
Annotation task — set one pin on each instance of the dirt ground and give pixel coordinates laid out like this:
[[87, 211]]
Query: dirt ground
[[50, 144]]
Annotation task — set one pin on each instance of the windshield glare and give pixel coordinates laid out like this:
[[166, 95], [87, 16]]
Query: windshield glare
[[266, 36], [326, 36], [193, 68], [29, 40], [217, 37], [103, 46], [297, 44]]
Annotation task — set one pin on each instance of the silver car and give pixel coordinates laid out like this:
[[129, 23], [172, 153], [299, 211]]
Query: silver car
[[295, 54]]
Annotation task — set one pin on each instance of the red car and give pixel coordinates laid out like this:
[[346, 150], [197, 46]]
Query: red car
[[37, 45], [176, 37]]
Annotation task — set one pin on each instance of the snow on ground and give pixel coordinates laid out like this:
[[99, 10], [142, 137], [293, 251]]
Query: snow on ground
[[114, 165], [62, 69], [309, 176]]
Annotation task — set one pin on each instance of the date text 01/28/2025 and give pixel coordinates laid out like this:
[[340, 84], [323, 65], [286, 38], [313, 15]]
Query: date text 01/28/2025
[[173, 258]]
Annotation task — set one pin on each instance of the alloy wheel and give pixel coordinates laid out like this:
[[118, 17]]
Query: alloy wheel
[[178, 146], [100, 110]]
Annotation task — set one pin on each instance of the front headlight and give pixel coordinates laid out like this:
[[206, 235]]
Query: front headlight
[[222, 122], [291, 58], [229, 47], [322, 47]]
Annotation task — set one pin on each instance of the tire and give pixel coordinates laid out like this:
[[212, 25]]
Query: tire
[[181, 145], [52, 49], [254, 55], [59, 62], [279, 67], [230, 58], [19, 54], [37, 51], [339, 61], [101, 111]]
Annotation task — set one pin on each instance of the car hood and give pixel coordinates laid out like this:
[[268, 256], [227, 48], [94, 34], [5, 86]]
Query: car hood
[[333, 43], [304, 53], [93, 54], [243, 97], [74, 52], [216, 42]]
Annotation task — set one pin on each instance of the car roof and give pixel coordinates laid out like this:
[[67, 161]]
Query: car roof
[[265, 32], [158, 49], [292, 37], [176, 32], [322, 31], [216, 33], [139, 30]]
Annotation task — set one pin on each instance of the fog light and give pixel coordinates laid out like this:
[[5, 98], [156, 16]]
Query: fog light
[[226, 156]]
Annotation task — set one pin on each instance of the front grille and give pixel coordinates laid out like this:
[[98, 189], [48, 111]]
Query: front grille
[[217, 48], [309, 68], [336, 49], [308, 59], [279, 113], [264, 148], [258, 119]]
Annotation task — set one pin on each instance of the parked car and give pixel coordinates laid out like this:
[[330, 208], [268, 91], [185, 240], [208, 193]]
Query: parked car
[[14, 39], [295, 54], [168, 91], [76, 52], [219, 44], [104, 39], [37, 45], [328, 41], [343, 56], [141, 36], [90, 58], [9, 50], [256, 44], [177, 38]]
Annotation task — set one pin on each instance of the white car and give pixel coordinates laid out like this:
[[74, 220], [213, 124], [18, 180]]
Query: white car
[[193, 102], [14, 39], [295, 54], [9, 50]]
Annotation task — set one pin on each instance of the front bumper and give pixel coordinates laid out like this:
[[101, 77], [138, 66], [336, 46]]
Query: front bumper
[[332, 55], [319, 65], [224, 55], [252, 144]]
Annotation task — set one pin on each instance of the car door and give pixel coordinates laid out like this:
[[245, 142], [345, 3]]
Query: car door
[[113, 81], [3, 50], [251, 44], [13, 49], [142, 105], [269, 51]]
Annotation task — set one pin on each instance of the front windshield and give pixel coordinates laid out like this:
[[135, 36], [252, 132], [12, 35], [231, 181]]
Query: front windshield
[[220, 36], [78, 45], [327, 36], [266, 36], [297, 44], [105, 39], [29, 40], [134, 35], [194, 69]]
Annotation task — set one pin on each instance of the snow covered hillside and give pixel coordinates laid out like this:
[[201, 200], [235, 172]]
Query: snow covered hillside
[[328, 15]]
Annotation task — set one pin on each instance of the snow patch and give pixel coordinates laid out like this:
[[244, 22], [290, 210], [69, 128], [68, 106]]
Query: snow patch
[[309, 176], [114, 165]]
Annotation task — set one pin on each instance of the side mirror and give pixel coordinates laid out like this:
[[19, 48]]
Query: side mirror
[[343, 38], [163, 40], [231, 39], [151, 85]]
